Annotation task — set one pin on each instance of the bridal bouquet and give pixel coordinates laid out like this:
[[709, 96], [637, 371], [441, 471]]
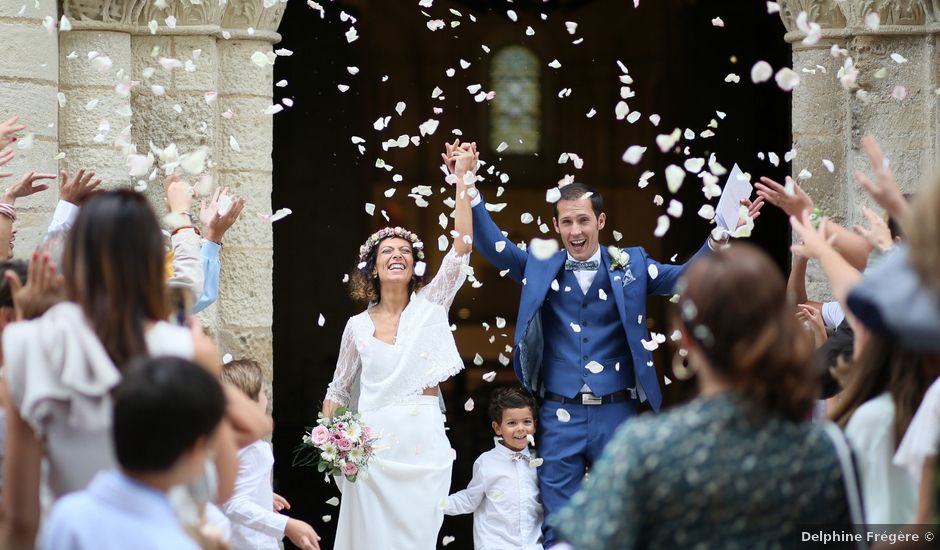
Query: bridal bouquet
[[340, 444]]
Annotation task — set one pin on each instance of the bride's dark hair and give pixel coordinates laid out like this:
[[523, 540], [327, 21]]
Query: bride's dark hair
[[365, 287]]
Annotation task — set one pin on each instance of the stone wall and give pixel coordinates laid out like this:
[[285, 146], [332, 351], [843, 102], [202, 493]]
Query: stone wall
[[217, 92], [830, 118]]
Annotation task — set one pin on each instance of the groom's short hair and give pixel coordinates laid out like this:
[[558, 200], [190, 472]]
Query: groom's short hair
[[577, 191]]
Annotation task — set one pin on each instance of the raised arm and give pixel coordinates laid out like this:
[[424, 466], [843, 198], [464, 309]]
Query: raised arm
[[842, 276], [348, 367], [489, 239], [465, 164], [23, 187], [795, 201]]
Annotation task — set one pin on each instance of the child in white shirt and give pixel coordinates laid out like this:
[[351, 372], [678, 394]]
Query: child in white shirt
[[255, 525], [504, 493]]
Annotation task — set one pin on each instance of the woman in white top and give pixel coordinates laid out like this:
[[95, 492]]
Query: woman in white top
[[394, 355], [61, 367], [883, 389]]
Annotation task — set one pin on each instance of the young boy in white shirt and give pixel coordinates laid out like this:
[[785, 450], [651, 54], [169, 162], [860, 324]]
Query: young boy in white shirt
[[167, 412], [504, 492], [255, 525]]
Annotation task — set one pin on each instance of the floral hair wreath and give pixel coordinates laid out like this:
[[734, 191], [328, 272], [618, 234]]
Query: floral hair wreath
[[387, 232]]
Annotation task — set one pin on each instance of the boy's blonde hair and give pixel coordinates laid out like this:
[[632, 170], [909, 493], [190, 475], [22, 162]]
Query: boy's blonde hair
[[244, 374]]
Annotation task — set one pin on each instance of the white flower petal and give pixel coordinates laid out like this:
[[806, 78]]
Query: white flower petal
[[279, 215], [633, 154], [787, 79], [468, 405], [674, 178], [761, 72], [563, 415], [662, 225], [594, 367], [543, 249]]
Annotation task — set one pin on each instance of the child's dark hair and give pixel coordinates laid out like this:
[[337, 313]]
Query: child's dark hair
[[509, 398], [161, 408]]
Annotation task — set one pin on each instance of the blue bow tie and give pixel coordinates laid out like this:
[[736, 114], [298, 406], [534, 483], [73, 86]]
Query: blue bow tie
[[589, 265]]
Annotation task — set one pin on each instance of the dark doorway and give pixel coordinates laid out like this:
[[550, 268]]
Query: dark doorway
[[678, 62]]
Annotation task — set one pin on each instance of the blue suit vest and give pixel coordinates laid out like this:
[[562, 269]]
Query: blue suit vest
[[601, 339]]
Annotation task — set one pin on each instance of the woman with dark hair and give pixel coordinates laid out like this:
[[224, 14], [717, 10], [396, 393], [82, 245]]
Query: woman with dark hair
[[881, 392], [739, 465], [61, 367], [392, 357]]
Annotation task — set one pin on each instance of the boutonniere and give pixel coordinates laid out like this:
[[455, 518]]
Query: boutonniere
[[619, 259]]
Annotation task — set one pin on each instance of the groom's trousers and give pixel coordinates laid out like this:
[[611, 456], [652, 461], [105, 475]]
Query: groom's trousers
[[569, 448]]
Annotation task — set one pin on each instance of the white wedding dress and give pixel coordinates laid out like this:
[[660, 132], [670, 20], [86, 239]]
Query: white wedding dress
[[400, 503]]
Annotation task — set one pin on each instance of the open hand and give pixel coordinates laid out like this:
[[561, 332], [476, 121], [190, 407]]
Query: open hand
[[77, 189], [753, 209], [214, 224], [179, 195], [43, 288], [879, 235], [25, 187], [9, 127], [884, 189], [776, 194], [815, 242]]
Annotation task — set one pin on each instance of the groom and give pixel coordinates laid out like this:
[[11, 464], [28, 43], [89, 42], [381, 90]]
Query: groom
[[581, 317]]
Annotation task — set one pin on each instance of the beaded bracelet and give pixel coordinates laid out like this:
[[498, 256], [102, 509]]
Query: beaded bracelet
[[8, 210], [182, 227]]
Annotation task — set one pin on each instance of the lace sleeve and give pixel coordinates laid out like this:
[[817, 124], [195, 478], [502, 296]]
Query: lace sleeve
[[348, 366], [453, 272]]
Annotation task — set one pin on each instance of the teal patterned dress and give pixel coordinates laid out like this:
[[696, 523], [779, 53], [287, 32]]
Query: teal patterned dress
[[707, 475]]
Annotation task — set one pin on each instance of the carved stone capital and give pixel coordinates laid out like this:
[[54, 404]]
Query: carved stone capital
[[891, 12], [826, 13], [844, 18], [256, 19]]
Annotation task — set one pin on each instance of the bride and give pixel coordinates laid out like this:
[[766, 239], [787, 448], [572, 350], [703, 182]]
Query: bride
[[394, 354]]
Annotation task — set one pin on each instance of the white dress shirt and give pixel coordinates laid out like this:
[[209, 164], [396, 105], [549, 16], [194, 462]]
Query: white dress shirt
[[585, 277], [255, 524], [504, 498]]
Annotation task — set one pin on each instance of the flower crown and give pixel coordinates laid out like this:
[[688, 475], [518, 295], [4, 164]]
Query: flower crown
[[387, 232]]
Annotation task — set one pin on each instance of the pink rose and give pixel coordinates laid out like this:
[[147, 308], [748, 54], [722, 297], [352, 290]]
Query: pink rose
[[344, 444], [339, 426], [337, 437], [367, 432], [320, 435], [350, 469]]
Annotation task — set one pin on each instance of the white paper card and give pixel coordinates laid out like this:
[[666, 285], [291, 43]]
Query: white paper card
[[737, 188]]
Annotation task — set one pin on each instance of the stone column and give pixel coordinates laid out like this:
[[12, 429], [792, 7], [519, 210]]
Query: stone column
[[831, 114], [29, 72], [192, 84], [245, 89]]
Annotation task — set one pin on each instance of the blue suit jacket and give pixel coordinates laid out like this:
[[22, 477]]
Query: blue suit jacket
[[631, 285]]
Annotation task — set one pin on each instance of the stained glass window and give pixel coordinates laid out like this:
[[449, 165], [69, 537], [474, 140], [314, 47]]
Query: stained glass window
[[514, 115]]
